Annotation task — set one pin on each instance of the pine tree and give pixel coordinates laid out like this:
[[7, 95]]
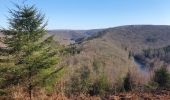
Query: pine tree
[[30, 57], [162, 77]]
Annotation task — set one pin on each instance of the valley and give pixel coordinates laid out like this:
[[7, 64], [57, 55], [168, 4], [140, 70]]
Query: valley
[[67, 37], [111, 54], [84, 50]]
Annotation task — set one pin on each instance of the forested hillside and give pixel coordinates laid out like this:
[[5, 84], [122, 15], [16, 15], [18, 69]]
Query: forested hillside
[[67, 37], [139, 37], [112, 52], [113, 46], [97, 64]]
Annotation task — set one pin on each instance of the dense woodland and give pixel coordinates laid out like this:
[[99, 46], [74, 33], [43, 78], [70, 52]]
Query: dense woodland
[[152, 58], [34, 66]]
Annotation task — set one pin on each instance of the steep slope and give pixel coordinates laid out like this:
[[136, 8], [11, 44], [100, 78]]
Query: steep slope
[[110, 48]]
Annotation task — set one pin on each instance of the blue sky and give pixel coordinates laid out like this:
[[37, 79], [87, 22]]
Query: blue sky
[[91, 14]]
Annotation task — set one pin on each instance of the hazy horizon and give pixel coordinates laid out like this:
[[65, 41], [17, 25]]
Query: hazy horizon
[[95, 14]]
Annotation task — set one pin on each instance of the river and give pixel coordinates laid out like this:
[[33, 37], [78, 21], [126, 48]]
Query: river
[[140, 65]]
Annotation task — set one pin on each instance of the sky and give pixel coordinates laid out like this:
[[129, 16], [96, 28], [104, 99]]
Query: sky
[[94, 14]]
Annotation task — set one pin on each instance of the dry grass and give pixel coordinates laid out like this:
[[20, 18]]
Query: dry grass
[[20, 94], [154, 95]]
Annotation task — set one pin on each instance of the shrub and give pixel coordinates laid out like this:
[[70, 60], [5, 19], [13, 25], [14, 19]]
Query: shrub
[[151, 85], [162, 77], [72, 49], [3, 92], [79, 82], [127, 82], [101, 86], [73, 86], [83, 82]]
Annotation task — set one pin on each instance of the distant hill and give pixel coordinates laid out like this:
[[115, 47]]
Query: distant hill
[[72, 36], [138, 37], [67, 37]]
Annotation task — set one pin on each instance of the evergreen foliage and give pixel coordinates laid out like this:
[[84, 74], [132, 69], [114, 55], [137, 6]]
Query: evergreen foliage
[[30, 57], [162, 77], [128, 83]]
